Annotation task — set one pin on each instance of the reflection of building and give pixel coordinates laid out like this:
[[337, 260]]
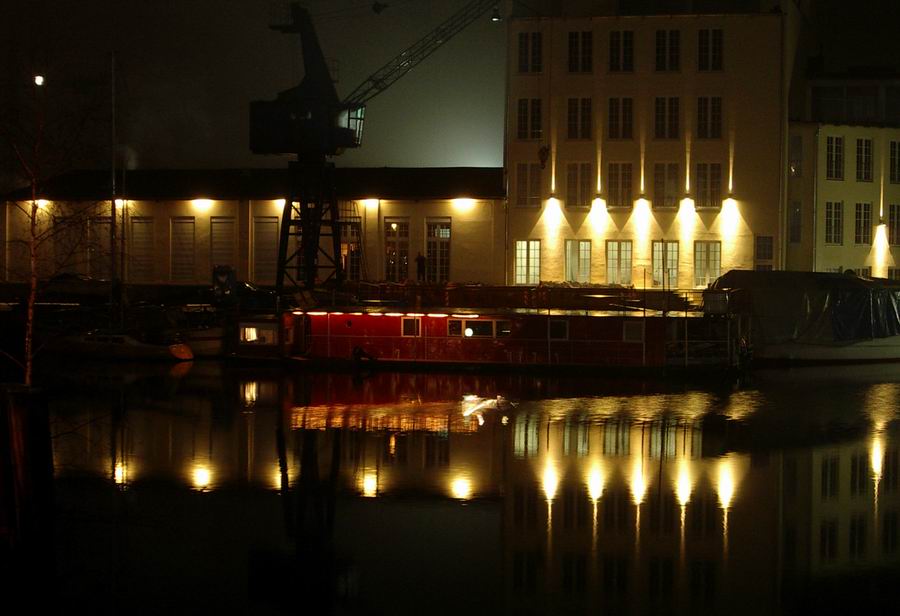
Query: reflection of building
[[841, 504], [179, 224], [615, 516]]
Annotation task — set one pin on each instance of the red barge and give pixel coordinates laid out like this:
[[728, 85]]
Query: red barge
[[496, 337]]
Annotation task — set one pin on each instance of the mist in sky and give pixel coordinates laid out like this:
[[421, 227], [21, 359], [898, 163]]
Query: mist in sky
[[187, 70]]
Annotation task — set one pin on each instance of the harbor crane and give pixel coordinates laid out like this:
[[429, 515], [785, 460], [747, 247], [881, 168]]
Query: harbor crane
[[313, 123]]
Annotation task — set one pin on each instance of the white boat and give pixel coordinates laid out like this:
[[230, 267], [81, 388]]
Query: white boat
[[113, 345]]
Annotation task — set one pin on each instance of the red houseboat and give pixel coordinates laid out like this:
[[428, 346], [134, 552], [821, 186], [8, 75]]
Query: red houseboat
[[517, 337]]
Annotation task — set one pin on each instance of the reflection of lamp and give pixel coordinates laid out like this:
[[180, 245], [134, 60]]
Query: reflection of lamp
[[495, 15], [250, 393], [201, 477], [461, 488], [370, 484], [550, 482]]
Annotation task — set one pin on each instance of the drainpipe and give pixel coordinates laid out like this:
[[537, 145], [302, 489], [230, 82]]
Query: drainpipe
[[815, 206]]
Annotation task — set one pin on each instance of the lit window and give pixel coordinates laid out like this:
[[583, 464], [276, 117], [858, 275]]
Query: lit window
[[618, 262], [578, 260], [707, 262], [665, 264], [528, 262]]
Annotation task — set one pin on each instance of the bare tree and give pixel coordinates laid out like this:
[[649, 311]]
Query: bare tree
[[44, 140]]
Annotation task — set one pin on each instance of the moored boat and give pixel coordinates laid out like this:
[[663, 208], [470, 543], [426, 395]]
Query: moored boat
[[118, 346]]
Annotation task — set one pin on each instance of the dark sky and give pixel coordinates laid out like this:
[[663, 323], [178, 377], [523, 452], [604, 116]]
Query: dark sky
[[187, 70]]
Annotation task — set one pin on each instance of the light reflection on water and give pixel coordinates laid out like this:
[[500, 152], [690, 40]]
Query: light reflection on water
[[605, 500]]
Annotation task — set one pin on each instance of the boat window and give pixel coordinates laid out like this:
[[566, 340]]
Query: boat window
[[504, 328], [558, 329], [633, 331], [411, 326], [454, 327], [480, 329], [259, 334]]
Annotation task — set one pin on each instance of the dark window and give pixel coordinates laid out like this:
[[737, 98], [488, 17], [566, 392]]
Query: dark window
[[558, 329], [764, 247], [581, 49], [621, 51], [480, 329], [411, 327], [454, 327]]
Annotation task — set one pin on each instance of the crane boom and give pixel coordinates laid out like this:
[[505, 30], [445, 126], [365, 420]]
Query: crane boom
[[410, 57]]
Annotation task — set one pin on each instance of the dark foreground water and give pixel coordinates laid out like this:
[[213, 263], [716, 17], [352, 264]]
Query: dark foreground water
[[206, 488]]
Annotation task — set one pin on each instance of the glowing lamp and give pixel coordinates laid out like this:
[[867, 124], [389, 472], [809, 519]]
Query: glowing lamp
[[38, 80], [202, 205]]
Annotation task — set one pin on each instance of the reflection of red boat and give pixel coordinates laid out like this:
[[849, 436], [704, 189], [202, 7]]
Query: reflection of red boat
[[513, 337]]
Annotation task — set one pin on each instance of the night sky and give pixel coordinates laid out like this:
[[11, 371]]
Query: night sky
[[188, 69]]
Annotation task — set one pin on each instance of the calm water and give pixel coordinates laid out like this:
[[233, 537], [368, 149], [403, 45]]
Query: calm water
[[206, 488]]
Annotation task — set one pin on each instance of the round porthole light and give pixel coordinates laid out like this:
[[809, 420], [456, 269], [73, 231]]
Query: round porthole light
[[469, 332]]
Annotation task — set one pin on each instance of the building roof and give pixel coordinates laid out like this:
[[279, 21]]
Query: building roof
[[406, 183]]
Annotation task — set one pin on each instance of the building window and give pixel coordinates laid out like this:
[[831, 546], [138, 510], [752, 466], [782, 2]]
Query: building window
[[528, 184], [618, 262], [864, 272], [764, 248], [528, 262], [795, 223], [621, 118], [710, 50], [668, 52], [222, 240], [894, 224], [834, 158], [863, 224], [618, 185], [707, 262], [529, 119], [437, 250], [834, 222], [863, 160], [396, 249], [578, 260], [183, 249], [893, 273], [579, 184], [581, 51], [265, 249], [579, 117], [667, 113], [895, 162], [621, 51], [665, 264], [666, 185], [709, 117], [708, 185], [530, 52], [795, 156]]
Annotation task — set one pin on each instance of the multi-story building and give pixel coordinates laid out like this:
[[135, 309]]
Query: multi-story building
[[843, 208], [647, 149]]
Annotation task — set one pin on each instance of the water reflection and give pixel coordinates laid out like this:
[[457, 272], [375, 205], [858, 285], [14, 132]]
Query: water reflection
[[641, 502]]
